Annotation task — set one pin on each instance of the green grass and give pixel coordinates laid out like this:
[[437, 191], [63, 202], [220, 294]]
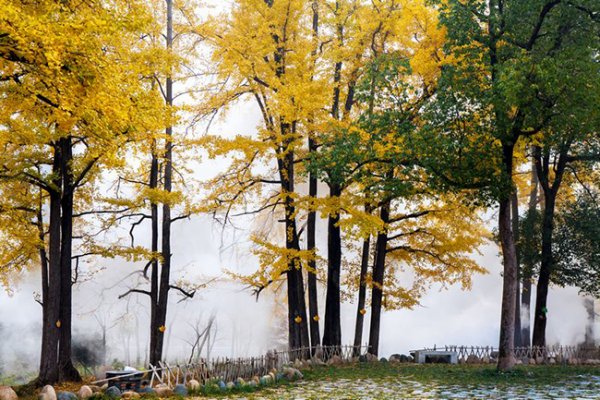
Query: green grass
[[452, 374]]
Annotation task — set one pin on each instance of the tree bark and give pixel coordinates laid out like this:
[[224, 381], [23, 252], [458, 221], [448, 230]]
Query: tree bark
[[362, 295], [506, 359], [543, 168], [67, 371], [332, 335], [516, 235], [313, 305], [48, 373], [378, 278], [526, 277], [154, 267], [165, 270]]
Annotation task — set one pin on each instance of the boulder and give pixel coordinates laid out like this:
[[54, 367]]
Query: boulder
[[316, 361], [113, 392], [66, 396], [130, 395], [47, 393], [222, 385], [7, 393], [193, 384], [163, 391], [473, 359], [383, 360], [591, 361], [519, 362], [551, 361], [396, 358], [485, 360], [363, 358], [180, 390], [84, 392], [532, 361], [230, 385]]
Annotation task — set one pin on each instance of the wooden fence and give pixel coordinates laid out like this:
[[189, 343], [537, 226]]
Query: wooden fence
[[557, 353], [230, 369]]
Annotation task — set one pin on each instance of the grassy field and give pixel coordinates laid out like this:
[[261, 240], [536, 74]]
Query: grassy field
[[433, 381]]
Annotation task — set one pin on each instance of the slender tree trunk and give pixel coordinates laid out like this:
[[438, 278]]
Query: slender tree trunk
[[378, 279], [155, 356], [362, 295], [546, 266], [590, 340], [48, 373], [165, 270], [516, 234], [506, 359], [313, 305], [526, 277], [332, 335]]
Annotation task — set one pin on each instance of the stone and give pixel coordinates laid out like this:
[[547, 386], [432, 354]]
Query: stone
[[47, 393], [473, 359], [383, 360], [363, 358], [317, 361], [240, 382], [485, 360], [266, 380], [371, 357], [222, 385], [95, 389], [230, 385], [532, 361], [163, 391], [519, 362], [112, 392], [66, 396], [335, 360], [180, 390], [130, 395], [7, 393], [193, 384], [84, 392], [104, 387], [147, 390], [591, 361], [395, 358], [552, 361]]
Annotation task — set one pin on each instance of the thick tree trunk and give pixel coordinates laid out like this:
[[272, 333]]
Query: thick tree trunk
[[362, 295], [67, 371], [48, 373], [332, 335], [506, 359], [378, 279], [516, 235], [313, 305]]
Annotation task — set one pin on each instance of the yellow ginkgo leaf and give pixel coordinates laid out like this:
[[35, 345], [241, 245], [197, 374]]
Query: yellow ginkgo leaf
[[58, 323], [298, 319], [162, 328]]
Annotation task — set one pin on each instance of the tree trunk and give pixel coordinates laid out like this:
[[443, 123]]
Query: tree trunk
[[590, 339], [67, 371], [516, 235], [362, 295], [506, 359], [543, 168], [165, 270], [313, 305], [526, 277], [332, 335], [378, 278], [48, 373], [154, 356], [541, 299]]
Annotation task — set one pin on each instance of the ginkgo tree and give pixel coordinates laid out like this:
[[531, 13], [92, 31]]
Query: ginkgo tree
[[72, 95]]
